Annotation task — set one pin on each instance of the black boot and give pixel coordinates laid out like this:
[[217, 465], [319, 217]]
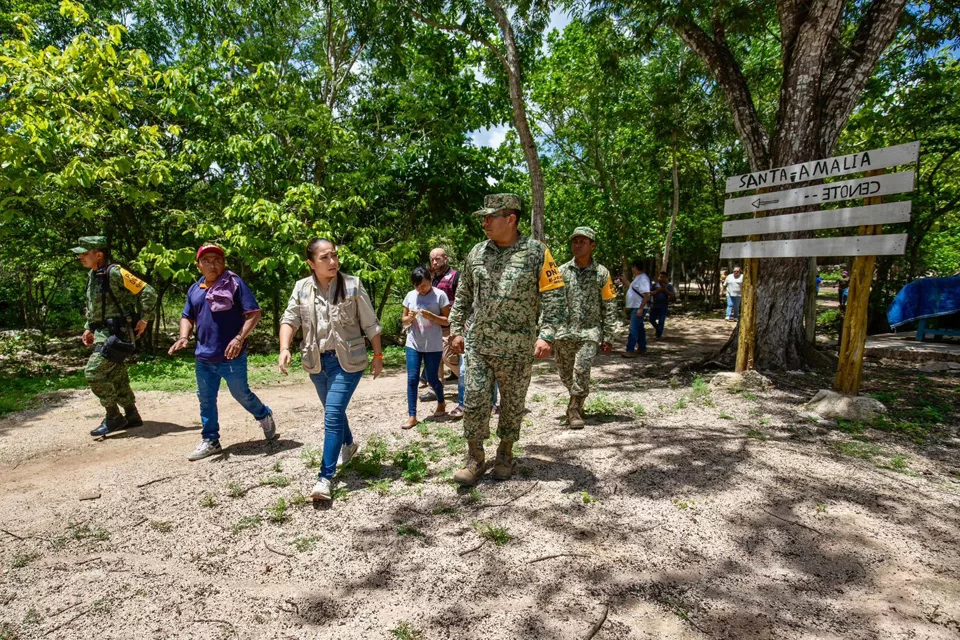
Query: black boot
[[133, 417], [109, 425]]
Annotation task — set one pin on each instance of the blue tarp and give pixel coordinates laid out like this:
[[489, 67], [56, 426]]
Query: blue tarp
[[925, 298]]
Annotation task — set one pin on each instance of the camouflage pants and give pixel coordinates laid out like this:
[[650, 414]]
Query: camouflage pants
[[109, 382], [512, 375], [574, 360]]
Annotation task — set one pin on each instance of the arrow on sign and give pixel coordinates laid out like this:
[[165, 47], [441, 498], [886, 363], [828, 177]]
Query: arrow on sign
[[762, 203]]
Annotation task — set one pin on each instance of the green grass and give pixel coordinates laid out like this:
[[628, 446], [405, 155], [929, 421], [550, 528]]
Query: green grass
[[587, 498], [163, 373], [380, 487], [368, 462], [84, 532], [246, 522], [394, 357], [20, 560], [411, 460], [235, 490], [277, 512], [312, 458], [276, 481], [163, 526], [601, 404], [699, 388], [407, 530], [495, 534], [538, 397], [19, 392], [857, 449], [304, 543], [473, 496], [725, 416], [756, 434], [405, 631], [208, 501]]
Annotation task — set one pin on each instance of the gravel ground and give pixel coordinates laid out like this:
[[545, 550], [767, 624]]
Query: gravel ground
[[679, 512]]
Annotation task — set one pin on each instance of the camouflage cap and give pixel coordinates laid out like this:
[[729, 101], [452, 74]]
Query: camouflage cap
[[498, 202], [89, 243], [586, 232]]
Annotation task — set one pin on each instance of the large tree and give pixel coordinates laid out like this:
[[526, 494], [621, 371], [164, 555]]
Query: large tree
[[828, 49]]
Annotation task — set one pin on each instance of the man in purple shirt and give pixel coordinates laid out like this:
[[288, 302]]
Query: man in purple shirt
[[224, 311]]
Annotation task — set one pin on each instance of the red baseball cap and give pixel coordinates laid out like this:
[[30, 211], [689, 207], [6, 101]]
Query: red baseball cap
[[209, 248]]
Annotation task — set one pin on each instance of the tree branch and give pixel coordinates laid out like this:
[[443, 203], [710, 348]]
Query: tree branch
[[873, 36], [455, 28], [716, 55]]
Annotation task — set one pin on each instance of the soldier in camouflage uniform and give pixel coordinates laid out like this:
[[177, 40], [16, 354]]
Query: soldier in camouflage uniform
[[507, 283], [107, 379], [591, 320]]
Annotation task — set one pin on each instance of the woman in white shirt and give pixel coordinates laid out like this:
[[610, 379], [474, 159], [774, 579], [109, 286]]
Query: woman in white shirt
[[332, 309], [425, 311]]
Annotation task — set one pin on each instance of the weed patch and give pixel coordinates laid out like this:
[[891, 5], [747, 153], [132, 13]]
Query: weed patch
[[277, 512], [405, 631], [304, 543], [495, 534], [411, 460], [368, 462], [857, 449], [246, 522], [407, 530]]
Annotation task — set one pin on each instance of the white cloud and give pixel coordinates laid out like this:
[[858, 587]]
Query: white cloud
[[492, 138]]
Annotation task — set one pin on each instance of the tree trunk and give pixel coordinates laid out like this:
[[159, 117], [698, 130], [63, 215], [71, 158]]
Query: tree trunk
[[824, 75], [676, 209], [514, 81]]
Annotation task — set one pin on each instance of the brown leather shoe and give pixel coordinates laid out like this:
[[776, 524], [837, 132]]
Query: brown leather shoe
[[410, 423], [575, 413]]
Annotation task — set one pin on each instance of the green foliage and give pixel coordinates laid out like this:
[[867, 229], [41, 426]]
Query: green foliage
[[246, 522], [407, 530], [19, 392], [161, 526], [312, 457], [276, 481], [368, 462], [83, 531], [587, 498], [208, 500], [411, 460], [496, 534], [20, 560], [304, 543], [277, 512], [236, 490], [857, 449], [406, 631]]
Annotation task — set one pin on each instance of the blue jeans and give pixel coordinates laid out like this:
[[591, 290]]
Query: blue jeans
[[208, 386], [637, 341], [431, 362], [461, 385], [657, 318], [335, 388], [733, 306]]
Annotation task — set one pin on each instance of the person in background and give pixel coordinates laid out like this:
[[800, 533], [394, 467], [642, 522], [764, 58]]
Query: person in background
[[225, 312], [446, 279], [334, 312], [425, 311], [660, 297], [637, 297], [118, 304], [732, 289], [590, 324], [844, 288]]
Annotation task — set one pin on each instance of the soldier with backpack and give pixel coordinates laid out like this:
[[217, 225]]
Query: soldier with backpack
[[118, 307]]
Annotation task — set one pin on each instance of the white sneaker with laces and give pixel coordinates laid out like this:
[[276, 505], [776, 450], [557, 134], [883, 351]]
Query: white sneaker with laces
[[205, 449], [322, 490], [347, 452]]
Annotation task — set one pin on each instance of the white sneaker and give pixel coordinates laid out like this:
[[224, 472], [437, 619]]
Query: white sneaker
[[204, 449], [347, 452], [322, 490]]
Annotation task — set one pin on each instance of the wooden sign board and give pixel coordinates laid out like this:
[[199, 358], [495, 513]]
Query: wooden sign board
[[868, 187], [890, 213], [827, 168], [884, 245]]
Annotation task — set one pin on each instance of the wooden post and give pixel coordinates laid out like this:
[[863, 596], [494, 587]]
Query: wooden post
[[854, 338], [747, 340], [810, 303]]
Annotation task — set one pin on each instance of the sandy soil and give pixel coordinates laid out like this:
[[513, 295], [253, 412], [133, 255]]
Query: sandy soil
[[707, 515]]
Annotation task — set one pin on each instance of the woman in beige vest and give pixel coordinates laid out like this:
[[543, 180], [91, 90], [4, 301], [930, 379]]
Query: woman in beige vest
[[334, 313]]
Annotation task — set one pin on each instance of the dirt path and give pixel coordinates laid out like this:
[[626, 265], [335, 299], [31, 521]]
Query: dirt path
[[682, 512]]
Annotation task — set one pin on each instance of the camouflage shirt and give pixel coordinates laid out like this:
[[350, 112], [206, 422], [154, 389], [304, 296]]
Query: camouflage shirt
[[505, 288], [133, 294], [591, 303]]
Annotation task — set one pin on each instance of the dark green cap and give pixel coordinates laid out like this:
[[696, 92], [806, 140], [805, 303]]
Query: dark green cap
[[586, 232], [90, 243]]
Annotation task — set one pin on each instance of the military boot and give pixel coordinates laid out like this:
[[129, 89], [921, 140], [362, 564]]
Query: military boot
[[133, 417], [503, 469], [109, 425], [471, 472], [573, 413]]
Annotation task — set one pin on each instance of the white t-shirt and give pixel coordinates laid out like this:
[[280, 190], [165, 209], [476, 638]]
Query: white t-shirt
[[733, 284], [424, 334], [639, 286]]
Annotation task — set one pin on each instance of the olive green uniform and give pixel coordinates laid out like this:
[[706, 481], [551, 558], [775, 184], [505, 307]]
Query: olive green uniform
[[109, 380], [506, 290], [591, 319]]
